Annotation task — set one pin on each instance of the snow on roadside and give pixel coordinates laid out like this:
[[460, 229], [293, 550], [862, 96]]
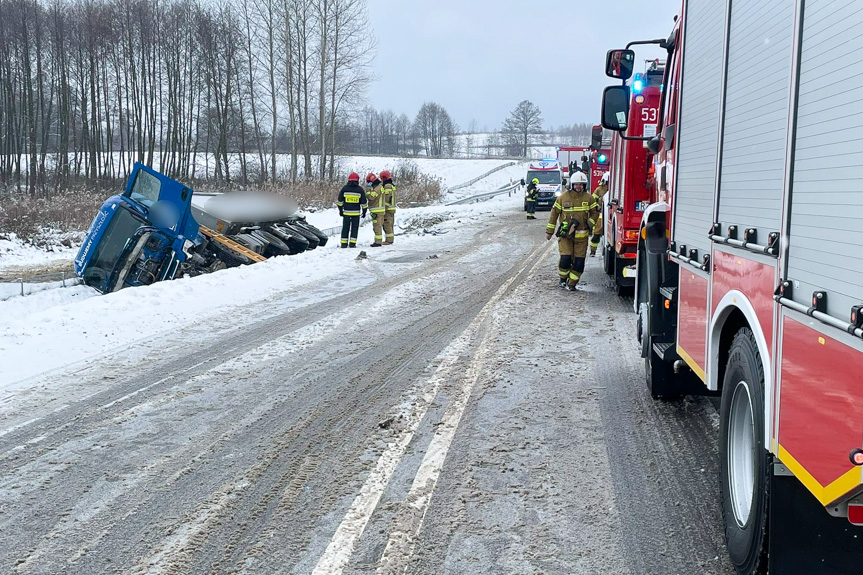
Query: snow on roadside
[[52, 329], [15, 252], [451, 172], [496, 180], [330, 218]]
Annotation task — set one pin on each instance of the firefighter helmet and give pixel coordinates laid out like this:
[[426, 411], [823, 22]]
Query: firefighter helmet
[[354, 177], [371, 178], [577, 178], [385, 175], [535, 181]]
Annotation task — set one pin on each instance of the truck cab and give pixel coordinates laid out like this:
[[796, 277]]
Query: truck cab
[[138, 237], [550, 185], [631, 180]]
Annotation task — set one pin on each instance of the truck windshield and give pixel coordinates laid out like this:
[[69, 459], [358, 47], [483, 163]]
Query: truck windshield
[[146, 188], [120, 230], [551, 177]]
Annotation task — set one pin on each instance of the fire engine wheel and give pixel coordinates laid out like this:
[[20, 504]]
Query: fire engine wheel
[[744, 461]]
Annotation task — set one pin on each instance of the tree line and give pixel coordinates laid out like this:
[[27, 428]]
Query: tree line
[[88, 87], [432, 133]]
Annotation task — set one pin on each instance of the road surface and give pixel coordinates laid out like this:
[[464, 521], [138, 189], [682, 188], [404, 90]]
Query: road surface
[[448, 410]]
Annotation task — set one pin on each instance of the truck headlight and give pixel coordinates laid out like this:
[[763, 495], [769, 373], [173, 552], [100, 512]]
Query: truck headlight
[[557, 194]]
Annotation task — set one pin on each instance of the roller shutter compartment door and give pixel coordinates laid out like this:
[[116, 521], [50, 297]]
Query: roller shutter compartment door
[[826, 233], [756, 116], [699, 123]]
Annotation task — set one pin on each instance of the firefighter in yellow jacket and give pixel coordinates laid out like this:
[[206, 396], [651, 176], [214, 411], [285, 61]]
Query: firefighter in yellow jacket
[[598, 194], [389, 194], [377, 208], [571, 220]]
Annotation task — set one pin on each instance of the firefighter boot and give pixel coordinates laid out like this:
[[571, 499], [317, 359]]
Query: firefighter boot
[[561, 283]]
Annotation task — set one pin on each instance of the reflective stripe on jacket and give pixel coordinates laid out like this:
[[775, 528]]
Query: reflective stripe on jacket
[[352, 199], [573, 209], [376, 199], [389, 192]]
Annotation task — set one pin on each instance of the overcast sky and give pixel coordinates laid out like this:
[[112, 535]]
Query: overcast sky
[[479, 58]]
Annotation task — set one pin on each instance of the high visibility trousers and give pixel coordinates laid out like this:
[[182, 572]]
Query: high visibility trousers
[[572, 254], [597, 234], [389, 221], [350, 229], [530, 207], [378, 225]]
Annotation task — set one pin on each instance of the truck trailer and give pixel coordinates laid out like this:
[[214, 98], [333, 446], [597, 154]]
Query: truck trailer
[[749, 281], [158, 229]]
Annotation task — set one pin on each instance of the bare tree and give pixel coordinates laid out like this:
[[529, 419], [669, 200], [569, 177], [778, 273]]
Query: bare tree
[[435, 129], [524, 120]]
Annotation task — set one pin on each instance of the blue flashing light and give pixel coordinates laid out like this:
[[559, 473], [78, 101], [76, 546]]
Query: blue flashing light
[[638, 83], [602, 159]]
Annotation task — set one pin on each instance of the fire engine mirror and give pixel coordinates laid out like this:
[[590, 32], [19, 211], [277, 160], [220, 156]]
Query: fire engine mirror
[[615, 108], [619, 64]]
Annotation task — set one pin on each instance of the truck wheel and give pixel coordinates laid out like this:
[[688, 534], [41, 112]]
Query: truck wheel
[[228, 256], [744, 460], [309, 236], [275, 246], [321, 236]]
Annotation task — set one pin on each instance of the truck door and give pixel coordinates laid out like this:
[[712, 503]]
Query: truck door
[[167, 202]]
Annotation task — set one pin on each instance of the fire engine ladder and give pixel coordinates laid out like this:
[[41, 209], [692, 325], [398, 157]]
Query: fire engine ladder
[[232, 245]]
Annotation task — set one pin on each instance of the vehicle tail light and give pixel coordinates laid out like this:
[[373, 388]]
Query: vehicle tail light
[[631, 234], [855, 513]]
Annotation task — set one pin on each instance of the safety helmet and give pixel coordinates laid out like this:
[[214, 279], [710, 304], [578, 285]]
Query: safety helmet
[[385, 175], [535, 181], [354, 177], [605, 177], [577, 178], [371, 178]]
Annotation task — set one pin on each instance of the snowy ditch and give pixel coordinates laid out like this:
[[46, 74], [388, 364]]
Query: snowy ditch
[[54, 328]]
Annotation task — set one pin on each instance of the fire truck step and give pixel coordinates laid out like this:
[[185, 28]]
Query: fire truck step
[[665, 351], [668, 293]]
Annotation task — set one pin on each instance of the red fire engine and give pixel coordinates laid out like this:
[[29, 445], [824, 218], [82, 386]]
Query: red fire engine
[[595, 164], [631, 174], [749, 279]]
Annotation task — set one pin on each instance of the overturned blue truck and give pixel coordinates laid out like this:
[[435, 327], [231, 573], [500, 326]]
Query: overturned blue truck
[[159, 229]]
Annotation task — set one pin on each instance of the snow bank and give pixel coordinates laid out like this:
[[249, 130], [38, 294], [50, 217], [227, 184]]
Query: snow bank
[[14, 252], [55, 328]]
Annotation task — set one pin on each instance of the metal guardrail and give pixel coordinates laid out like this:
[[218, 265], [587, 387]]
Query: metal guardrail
[[481, 177], [37, 283], [507, 189], [337, 230]]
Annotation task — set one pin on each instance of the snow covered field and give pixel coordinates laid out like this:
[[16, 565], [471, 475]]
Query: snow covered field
[[15, 254], [55, 328]]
